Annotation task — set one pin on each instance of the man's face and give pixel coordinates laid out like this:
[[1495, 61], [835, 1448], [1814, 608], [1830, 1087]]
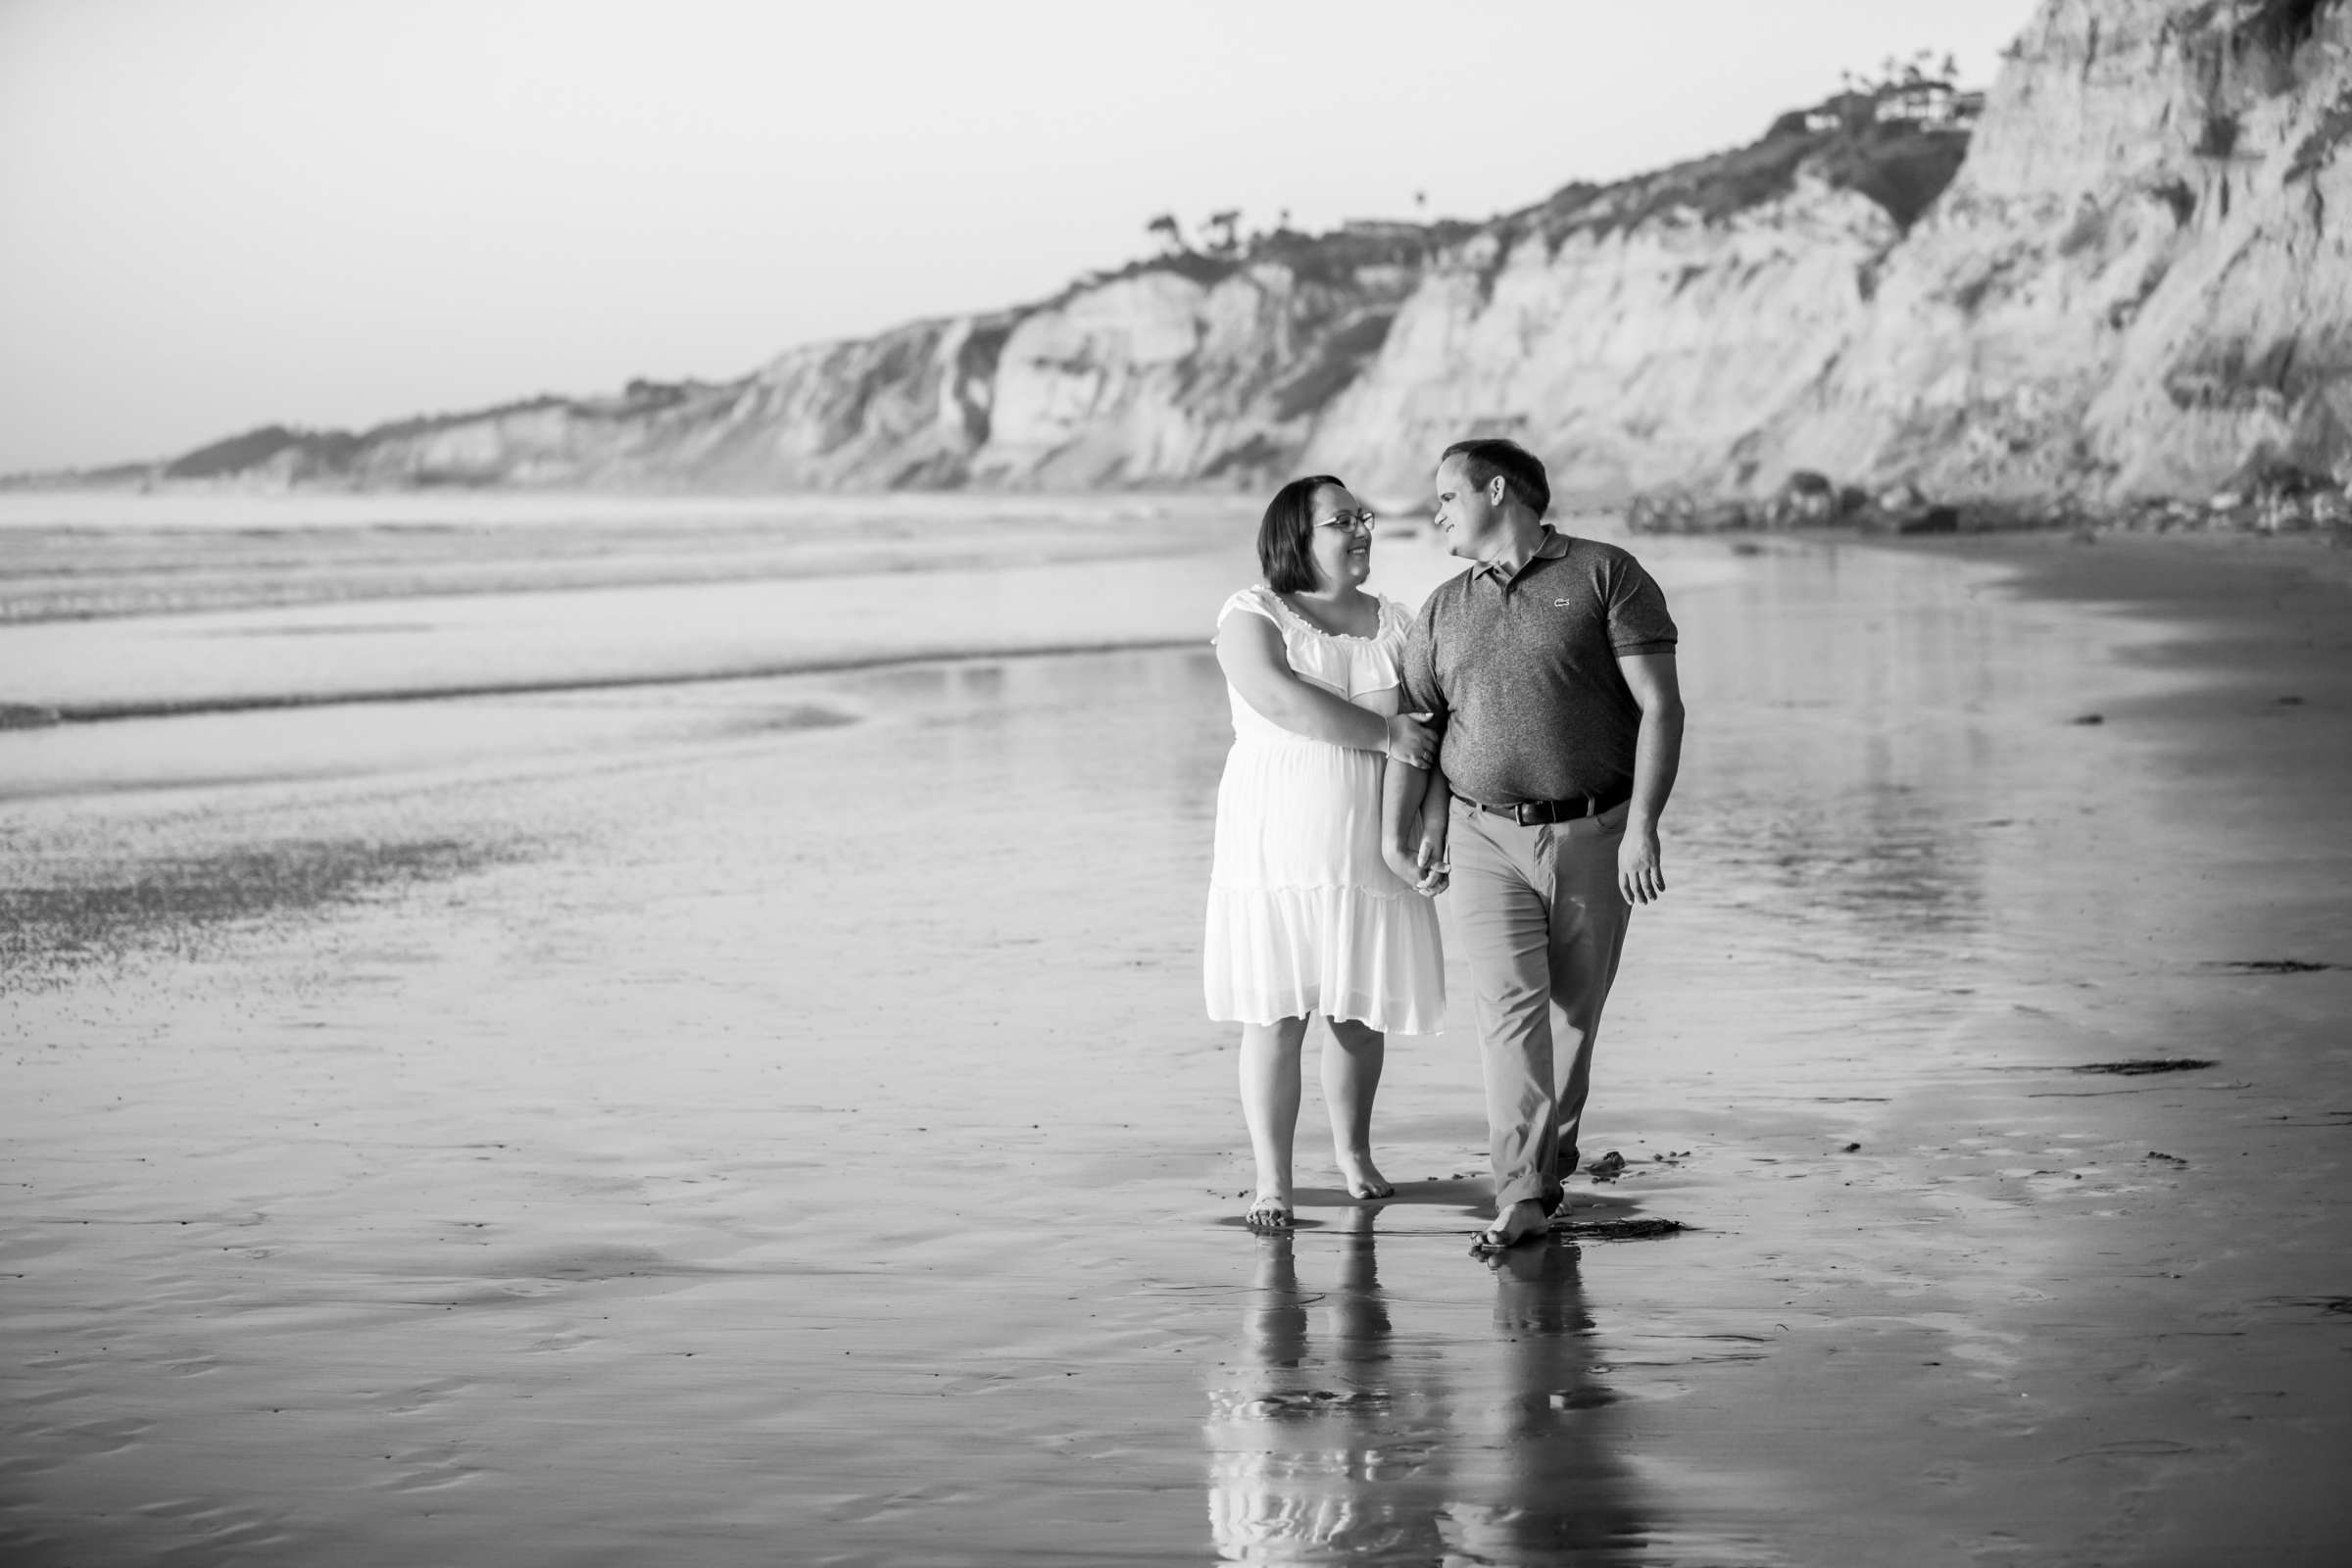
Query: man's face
[[1467, 514]]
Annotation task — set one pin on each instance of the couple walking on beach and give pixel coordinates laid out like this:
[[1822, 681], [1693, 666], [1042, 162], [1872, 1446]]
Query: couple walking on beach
[[1511, 747]]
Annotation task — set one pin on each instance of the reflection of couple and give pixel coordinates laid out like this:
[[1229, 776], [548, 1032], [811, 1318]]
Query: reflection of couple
[[1355, 1444], [1544, 678]]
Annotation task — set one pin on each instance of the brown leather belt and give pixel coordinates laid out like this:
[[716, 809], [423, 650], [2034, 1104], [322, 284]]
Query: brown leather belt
[[1532, 814]]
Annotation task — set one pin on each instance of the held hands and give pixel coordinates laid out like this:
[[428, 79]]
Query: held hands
[[1419, 855], [1429, 854], [1641, 876], [1420, 864], [1412, 742], [1405, 862]]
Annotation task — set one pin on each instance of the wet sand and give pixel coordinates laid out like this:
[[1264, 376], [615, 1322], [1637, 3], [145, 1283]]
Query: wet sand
[[770, 1119]]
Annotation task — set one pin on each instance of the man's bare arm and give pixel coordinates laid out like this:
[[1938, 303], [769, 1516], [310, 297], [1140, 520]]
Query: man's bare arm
[[1657, 756]]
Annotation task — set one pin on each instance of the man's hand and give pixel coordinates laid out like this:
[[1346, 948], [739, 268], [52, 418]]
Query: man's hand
[[1640, 875]]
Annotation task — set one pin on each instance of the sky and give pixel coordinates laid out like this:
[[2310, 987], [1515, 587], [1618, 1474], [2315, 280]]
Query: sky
[[221, 213]]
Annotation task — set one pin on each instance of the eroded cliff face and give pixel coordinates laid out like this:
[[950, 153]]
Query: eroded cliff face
[[2133, 285], [2137, 279], [1630, 359], [1164, 379], [1195, 369], [909, 406]]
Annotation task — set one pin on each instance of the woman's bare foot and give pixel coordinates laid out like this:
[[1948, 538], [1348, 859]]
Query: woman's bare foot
[[1269, 1211], [1512, 1226], [1363, 1178]]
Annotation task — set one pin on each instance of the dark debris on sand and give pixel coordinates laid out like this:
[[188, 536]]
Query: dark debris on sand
[[1617, 1230], [2271, 966], [1313, 1401], [2145, 1065]]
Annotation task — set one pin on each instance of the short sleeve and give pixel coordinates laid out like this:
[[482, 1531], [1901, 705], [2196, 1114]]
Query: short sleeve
[[1376, 663], [1639, 622], [1252, 599], [1418, 669], [1396, 621]]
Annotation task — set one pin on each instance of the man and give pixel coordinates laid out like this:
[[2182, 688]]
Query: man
[[1549, 667]]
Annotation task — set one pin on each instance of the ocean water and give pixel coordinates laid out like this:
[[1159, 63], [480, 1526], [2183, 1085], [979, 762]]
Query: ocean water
[[85, 553], [710, 1068]]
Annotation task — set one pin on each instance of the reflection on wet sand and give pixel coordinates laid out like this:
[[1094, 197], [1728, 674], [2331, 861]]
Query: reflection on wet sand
[[1541, 1481], [1356, 1444]]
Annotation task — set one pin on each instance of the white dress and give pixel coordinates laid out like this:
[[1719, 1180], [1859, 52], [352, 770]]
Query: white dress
[[1303, 916]]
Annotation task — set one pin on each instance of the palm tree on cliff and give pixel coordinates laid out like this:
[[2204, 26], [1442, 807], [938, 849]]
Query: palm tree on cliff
[[1221, 227], [1171, 238]]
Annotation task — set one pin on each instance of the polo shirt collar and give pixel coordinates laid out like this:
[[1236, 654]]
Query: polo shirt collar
[[1552, 545]]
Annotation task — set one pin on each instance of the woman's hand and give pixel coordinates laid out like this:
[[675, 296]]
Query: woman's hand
[[1412, 742], [1399, 858]]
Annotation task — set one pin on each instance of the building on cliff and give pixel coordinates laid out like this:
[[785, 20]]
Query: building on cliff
[[1930, 102]]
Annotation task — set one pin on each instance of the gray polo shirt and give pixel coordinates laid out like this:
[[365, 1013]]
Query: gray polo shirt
[[1521, 670]]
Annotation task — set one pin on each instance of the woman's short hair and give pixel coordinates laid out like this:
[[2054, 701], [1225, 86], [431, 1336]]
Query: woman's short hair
[[1286, 535], [1521, 470]]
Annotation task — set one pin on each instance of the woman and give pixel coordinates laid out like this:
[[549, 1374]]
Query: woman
[[1305, 917]]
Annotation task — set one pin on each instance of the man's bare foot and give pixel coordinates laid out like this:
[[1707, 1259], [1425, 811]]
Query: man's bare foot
[[1363, 1178], [1268, 1212], [1512, 1226]]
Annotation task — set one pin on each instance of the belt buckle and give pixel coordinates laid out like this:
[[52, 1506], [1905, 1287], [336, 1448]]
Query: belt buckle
[[1519, 814]]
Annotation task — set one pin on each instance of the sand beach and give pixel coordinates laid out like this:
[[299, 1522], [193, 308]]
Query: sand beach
[[695, 1056]]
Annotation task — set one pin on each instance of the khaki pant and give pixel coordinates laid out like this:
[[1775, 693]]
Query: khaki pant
[[1543, 922]]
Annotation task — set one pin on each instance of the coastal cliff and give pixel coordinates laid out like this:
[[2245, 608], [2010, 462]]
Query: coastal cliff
[[2129, 277], [1182, 371], [2137, 281], [2140, 278]]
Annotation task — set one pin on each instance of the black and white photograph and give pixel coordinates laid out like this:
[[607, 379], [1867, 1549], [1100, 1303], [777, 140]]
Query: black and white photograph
[[859, 785]]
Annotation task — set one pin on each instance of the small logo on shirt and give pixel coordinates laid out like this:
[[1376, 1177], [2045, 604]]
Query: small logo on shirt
[[1560, 604]]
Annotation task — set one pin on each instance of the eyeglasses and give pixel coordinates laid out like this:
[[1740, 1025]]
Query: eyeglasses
[[1349, 520]]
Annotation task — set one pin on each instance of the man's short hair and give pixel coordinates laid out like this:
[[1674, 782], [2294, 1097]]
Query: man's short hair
[[1286, 535], [1522, 470]]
